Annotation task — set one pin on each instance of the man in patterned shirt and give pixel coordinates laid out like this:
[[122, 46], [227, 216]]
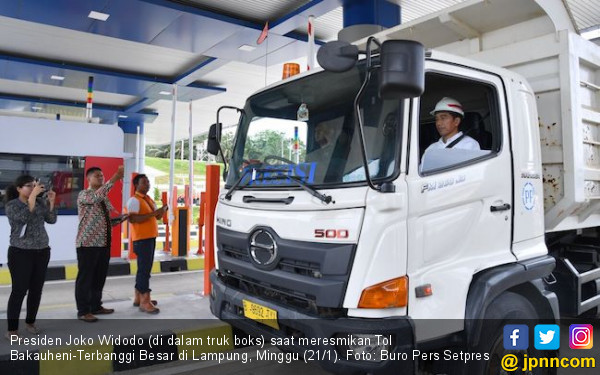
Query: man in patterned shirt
[[93, 243]]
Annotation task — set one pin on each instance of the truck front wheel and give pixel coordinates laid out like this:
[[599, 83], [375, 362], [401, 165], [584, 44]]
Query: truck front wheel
[[508, 308]]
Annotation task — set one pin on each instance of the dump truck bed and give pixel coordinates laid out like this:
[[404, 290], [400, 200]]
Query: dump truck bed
[[535, 39]]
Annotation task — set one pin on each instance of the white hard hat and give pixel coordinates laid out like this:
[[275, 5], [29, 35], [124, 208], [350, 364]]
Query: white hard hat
[[448, 104]]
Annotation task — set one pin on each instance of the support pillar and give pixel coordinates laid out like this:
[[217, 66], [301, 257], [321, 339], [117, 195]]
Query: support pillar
[[136, 147], [213, 179], [366, 17]]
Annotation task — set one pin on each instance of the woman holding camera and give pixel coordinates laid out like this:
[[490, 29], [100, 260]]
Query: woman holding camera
[[28, 255]]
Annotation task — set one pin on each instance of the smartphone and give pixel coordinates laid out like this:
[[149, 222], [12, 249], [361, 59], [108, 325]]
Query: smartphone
[[47, 186], [44, 193], [116, 220]]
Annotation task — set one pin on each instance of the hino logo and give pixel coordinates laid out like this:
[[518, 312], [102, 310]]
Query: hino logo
[[225, 222], [263, 249]]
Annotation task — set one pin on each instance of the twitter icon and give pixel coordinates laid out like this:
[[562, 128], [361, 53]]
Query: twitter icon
[[546, 336]]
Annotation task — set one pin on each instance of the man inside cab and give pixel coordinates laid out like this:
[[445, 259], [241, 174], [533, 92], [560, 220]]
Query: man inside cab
[[448, 114]]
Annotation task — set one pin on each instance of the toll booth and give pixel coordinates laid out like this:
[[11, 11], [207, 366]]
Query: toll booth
[[181, 231]]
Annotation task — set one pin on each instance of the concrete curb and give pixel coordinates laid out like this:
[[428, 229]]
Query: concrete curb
[[149, 349], [115, 268]]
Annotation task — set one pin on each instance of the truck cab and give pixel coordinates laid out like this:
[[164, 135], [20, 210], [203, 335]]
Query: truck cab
[[292, 257]]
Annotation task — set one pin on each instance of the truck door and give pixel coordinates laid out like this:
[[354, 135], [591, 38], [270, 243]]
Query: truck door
[[460, 198]]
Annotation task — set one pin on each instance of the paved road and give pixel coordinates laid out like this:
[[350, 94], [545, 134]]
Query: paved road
[[58, 299], [182, 304]]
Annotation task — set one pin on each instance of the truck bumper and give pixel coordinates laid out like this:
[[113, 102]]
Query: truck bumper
[[226, 304]]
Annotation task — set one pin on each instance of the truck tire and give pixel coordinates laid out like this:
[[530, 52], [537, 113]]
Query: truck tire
[[507, 308]]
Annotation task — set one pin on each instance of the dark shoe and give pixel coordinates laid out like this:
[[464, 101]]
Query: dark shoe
[[31, 328], [88, 318], [103, 311]]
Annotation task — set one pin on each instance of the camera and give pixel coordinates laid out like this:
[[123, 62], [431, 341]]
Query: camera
[[47, 184]]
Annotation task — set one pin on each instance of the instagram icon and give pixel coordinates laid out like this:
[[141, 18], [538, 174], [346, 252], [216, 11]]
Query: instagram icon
[[581, 336]]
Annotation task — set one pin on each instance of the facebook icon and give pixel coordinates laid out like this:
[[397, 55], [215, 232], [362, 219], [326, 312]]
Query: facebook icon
[[516, 337]]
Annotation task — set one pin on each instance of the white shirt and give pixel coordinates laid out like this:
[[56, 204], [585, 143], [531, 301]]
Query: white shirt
[[133, 205], [322, 154], [466, 143]]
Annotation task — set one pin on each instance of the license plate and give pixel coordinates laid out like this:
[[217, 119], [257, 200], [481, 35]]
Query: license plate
[[260, 314]]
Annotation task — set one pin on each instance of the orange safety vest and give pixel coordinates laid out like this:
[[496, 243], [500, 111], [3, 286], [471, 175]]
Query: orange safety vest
[[148, 228]]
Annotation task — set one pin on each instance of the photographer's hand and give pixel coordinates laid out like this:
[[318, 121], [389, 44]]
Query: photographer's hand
[[38, 189], [161, 211], [118, 174], [51, 199]]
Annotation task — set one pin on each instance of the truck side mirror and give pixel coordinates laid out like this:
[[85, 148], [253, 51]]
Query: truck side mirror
[[337, 56], [212, 145], [402, 69]]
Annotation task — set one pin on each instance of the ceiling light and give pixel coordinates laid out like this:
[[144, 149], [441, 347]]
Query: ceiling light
[[246, 48], [57, 78], [165, 93], [98, 16], [592, 34], [123, 116], [36, 108]]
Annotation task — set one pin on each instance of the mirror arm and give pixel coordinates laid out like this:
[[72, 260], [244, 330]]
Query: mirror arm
[[218, 131], [363, 148], [218, 122], [370, 41], [223, 158], [359, 96]]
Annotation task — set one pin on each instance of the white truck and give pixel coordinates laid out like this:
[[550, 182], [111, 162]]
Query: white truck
[[356, 236]]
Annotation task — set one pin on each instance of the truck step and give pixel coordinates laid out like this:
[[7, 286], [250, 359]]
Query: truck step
[[585, 300], [582, 250]]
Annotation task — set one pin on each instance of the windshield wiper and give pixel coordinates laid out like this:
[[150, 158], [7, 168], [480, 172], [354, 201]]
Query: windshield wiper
[[309, 189], [237, 183]]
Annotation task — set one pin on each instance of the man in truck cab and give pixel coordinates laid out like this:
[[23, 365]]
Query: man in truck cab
[[448, 114], [324, 138], [324, 147], [454, 146]]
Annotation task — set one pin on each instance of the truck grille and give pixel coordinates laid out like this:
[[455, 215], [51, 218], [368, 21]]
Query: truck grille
[[288, 265], [306, 275], [297, 301]]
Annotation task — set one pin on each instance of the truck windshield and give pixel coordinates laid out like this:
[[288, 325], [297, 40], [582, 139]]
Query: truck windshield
[[307, 128]]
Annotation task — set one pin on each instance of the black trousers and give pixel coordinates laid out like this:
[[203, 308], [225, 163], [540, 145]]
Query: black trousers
[[28, 273], [92, 264], [144, 249]]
